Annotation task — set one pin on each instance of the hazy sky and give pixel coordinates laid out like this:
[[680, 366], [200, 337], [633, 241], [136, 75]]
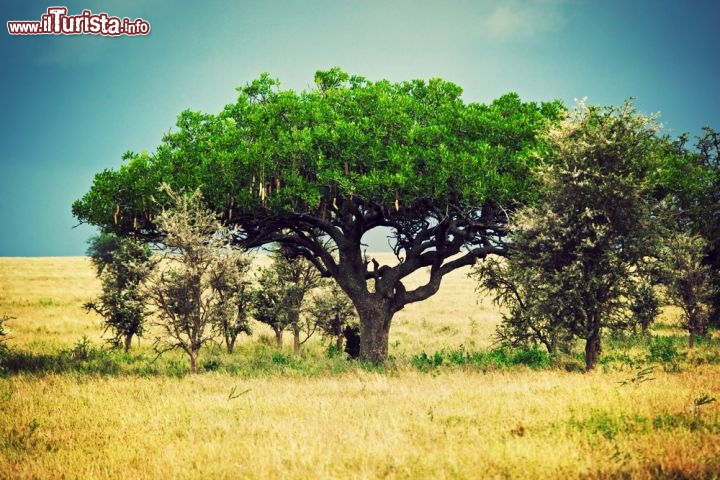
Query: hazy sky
[[71, 105]]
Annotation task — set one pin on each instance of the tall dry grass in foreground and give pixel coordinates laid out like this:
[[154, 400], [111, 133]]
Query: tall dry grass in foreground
[[399, 423]]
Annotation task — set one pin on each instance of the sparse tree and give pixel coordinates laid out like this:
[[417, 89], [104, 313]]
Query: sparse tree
[[692, 179], [331, 311], [187, 304], [529, 317], [300, 277], [268, 303], [574, 254], [283, 289], [230, 282], [644, 301], [123, 264], [688, 281]]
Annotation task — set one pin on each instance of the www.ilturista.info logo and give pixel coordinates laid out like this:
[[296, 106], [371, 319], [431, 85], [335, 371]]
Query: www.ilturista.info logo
[[57, 22]]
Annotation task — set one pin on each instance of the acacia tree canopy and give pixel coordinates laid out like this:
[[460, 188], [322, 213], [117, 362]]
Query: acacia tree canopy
[[335, 162]]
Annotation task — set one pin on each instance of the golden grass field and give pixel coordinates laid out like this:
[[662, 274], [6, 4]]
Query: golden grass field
[[358, 423]]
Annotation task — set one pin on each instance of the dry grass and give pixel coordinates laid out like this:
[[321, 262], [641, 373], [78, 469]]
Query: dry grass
[[457, 423], [45, 295]]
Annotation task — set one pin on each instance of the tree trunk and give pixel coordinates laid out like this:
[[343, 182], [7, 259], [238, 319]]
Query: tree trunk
[[339, 343], [592, 350], [278, 338], [692, 338], [230, 343], [375, 317], [194, 355], [128, 342], [296, 340]]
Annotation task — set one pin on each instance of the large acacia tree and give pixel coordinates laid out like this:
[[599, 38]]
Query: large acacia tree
[[334, 162]]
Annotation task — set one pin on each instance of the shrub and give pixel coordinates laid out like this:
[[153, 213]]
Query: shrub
[[534, 358], [664, 350], [424, 362]]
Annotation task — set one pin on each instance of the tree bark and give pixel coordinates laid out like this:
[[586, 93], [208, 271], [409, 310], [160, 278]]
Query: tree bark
[[128, 342], [296, 340], [375, 317], [278, 338], [339, 342], [194, 355], [592, 350], [230, 343]]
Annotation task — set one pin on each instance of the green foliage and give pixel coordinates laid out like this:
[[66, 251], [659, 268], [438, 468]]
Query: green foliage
[[230, 283], [299, 168], [123, 264], [692, 179], [83, 349], [574, 255], [211, 365], [280, 358], [424, 362], [297, 151], [280, 297], [630, 354], [502, 357], [643, 303], [332, 350], [688, 280], [331, 311], [268, 301], [195, 289], [664, 350]]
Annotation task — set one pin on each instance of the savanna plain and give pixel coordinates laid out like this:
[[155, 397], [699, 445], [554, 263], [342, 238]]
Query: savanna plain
[[448, 404]]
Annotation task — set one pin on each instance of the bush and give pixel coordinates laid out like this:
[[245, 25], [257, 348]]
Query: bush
[[425, 363], [501, 357], [664, 350], [279, 358], [534, 358], [83, 349]]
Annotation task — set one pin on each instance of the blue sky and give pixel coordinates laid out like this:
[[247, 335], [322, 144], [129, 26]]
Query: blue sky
[[71, 105]]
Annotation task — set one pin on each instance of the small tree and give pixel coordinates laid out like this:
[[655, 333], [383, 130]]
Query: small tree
[[300, 277], [123, 264], [230, 282], [267, 304], [574, 255], [688, 281], [283, 289], [644, 303], [182, 290], [331, 311], [529, 317], [693, 181]]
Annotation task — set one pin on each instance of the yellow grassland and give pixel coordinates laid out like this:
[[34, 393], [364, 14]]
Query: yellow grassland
[[459, 423]]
